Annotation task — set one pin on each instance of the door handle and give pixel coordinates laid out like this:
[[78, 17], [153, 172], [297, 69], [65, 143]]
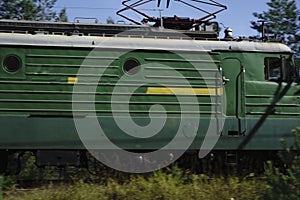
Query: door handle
[[225, 80]]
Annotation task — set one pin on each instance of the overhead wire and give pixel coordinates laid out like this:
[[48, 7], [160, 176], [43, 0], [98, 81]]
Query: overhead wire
[[90, 8]]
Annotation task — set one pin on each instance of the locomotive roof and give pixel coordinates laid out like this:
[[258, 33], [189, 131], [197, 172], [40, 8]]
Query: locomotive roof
[[129, 42], [97, 29]]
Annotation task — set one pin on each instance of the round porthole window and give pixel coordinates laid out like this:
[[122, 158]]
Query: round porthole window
[[131, 66], [12, 63]]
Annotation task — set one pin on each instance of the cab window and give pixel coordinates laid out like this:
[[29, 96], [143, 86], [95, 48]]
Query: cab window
[[273, 69], [297, 62], [290, 73]]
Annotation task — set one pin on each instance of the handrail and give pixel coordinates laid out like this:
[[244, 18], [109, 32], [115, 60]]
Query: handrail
[[76, 19]]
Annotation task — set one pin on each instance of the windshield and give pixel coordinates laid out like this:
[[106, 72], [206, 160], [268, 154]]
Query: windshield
[[297, 63], [289, 69]]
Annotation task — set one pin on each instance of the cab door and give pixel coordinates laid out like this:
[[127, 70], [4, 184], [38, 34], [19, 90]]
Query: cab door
[[233, 77]]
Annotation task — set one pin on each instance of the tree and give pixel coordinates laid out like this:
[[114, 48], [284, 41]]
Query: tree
[[281, 20], [63, 15], [30, 10], [110, 20]]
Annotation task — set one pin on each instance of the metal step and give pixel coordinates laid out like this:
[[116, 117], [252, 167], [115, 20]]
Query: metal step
[[231, 158]]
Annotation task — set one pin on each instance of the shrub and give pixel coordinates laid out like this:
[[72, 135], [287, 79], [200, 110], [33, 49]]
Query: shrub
[[173, 184], [284, 184]]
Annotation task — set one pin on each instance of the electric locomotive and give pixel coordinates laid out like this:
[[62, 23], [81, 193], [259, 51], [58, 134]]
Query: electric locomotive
[[219, 94]]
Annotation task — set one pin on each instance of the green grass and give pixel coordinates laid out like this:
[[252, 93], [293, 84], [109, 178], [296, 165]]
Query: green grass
[[158, 186]]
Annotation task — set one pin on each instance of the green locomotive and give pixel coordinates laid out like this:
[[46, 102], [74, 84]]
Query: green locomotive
[[53, 76]]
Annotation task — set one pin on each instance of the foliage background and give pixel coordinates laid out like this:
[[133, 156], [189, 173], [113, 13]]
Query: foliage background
[[36, 10], [282, 21]]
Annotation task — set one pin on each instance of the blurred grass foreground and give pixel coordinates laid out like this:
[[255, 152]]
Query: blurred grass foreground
[[160, 186]]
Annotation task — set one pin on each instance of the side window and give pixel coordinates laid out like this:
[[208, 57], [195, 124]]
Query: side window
[[12, 64], [273, 68]]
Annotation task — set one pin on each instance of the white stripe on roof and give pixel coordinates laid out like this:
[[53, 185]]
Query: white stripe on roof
[[139, 43]]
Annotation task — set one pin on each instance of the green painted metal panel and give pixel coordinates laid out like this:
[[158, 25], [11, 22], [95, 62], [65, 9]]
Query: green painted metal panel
[[60, 133]]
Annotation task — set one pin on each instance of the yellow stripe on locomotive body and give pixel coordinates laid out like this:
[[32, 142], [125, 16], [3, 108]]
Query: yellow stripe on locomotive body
[[72, 80], [185, 91]]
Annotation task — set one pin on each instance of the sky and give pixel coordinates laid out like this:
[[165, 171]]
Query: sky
[[237, 16]]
